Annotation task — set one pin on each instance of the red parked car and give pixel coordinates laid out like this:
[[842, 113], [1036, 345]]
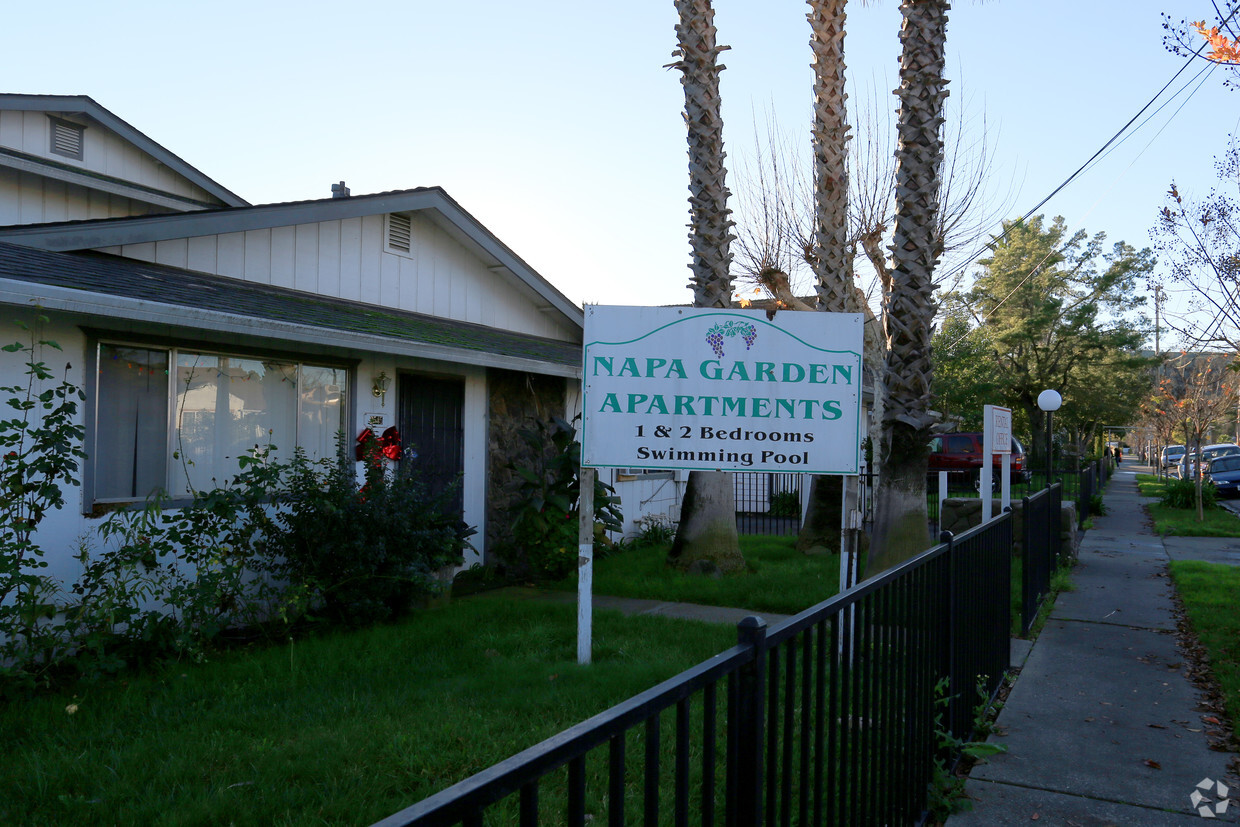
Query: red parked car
[[961, 456]]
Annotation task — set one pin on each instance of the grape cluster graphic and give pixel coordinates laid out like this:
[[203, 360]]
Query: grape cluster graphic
[[715, 336]]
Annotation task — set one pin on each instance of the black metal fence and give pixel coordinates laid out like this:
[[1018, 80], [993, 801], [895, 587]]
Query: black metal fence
[[830, 717], [1040, 550], [1087, 488], [1078, 484], [771, 503], [768, 503]]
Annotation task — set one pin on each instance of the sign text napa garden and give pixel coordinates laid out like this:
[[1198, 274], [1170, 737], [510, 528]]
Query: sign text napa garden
[[728, 390]]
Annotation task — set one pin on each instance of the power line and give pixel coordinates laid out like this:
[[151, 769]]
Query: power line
[[1104, 148]]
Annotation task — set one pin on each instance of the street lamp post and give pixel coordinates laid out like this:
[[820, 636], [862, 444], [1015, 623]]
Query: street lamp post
[[1049, 401]]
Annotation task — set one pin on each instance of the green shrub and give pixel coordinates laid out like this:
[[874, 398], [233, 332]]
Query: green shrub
[[40, 445], [281, 542], [355, 556], [1182, 493], [544, 514], [785, 504], [654, 530], [171, 579]]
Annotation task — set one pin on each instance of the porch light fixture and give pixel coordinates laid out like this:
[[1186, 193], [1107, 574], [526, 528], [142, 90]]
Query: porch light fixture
[[380, 388], [1049, 401]]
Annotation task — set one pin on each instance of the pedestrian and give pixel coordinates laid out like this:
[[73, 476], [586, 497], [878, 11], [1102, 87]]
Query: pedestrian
[[1119, 455]]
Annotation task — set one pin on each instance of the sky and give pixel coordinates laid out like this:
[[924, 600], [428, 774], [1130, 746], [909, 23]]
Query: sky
[[555, 123]]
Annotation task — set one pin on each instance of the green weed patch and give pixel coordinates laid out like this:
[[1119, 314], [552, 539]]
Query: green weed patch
[[1209, 591]]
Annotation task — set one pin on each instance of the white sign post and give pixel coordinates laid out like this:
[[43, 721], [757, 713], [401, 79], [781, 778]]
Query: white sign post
[[585, 564], [996, 439]]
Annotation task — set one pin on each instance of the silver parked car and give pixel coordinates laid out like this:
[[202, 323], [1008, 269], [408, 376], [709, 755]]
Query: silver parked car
[[1172, 454]]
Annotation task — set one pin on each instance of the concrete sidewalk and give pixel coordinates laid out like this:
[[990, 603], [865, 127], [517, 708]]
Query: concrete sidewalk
[[636, 606], [1103, 726]]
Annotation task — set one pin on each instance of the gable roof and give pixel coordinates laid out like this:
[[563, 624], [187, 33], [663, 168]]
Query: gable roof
[[431, 202], [85, 106], [105, 287]]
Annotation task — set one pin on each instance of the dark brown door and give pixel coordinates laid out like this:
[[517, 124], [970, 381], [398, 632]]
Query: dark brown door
[[432, 423]]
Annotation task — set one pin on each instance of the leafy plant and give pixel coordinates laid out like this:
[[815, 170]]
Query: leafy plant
[[358, 556], [1182, 493], [785, 504], [946, 794], [196, 562], [545, 526], [41, 444], [653, 530]]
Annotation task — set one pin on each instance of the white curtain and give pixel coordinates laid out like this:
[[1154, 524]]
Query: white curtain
[[225, 406], [131, 437]]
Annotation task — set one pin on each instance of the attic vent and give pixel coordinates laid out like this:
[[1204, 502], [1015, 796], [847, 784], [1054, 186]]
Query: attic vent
[[399, 232], [67, 138]]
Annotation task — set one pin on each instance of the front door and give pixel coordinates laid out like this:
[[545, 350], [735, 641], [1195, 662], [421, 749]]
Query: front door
[[432, 423]]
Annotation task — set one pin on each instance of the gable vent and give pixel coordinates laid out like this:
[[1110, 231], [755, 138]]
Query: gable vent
[[400, 231], [67, 138]]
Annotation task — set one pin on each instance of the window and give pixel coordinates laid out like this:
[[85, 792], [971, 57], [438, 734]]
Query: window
[[644, 473], [178, 419], [67, 138], [957, 444]]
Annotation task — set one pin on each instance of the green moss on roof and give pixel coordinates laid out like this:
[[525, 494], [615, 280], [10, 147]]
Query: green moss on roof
[[122, 277]]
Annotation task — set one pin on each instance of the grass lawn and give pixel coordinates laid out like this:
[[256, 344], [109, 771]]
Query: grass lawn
[[1182, 522], [780, 579], [1150, 485], [1209, 593], [340, 729]]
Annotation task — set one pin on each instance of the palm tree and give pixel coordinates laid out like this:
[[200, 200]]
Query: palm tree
[[707, 530], [829, 252], [900, 502], [831, 256]]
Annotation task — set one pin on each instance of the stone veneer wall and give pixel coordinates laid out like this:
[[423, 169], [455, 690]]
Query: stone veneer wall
[[963, 513], [514, 401]]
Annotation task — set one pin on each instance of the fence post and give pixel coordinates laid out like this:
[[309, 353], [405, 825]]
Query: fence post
[[751, 711], [1026, 569], [953, 609], [1053, 518]]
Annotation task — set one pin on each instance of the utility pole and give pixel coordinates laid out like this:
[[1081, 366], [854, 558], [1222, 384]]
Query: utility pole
[[1157, 326]]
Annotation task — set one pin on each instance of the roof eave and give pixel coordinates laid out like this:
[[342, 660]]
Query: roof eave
[[100, 308], [87, 106], [112, 232]]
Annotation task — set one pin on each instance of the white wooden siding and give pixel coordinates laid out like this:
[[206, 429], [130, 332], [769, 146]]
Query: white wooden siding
[[644, 496], [103, 151], [347, 259], [26, 198], [63, 528]]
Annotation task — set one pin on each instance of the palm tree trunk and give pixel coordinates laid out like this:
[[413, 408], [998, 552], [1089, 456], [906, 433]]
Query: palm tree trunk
[[831, 259], [900, 529], [707, 529]]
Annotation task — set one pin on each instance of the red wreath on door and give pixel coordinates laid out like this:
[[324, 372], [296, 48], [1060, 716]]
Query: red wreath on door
[[388, 443]]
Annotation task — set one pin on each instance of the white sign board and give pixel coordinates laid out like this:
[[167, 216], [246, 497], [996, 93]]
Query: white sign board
[[1000, 426], [996, 441], [722, 390]]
